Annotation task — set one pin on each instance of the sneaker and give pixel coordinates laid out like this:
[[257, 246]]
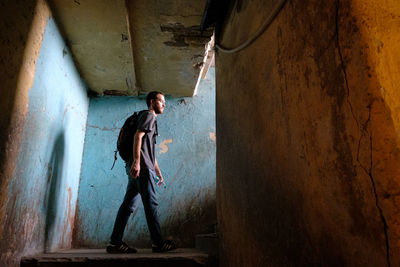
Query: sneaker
[[167, 245], [121, 248]]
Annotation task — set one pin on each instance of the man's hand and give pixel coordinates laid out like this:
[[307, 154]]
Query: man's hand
[[135, 169], [158, 173], [161, 181]]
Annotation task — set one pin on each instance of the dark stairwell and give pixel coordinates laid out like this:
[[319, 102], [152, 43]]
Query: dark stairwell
[[307, 133], [58, 192]]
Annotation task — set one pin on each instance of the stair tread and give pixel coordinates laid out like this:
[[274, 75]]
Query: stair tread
[[78, 254]]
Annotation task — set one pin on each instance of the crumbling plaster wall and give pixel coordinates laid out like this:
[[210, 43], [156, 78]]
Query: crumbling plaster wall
[[185, 151], [44, 110], [22, 29], [309, 115]]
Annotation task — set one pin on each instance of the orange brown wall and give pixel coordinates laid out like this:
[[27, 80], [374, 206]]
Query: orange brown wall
[[43, 121], [22, 26], [309, 115]]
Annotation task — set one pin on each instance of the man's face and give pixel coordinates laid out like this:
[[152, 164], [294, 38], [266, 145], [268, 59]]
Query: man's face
[[158, 104]]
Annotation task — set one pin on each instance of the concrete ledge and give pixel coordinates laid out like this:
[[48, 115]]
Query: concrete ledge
[[207, 243], [99, 257]]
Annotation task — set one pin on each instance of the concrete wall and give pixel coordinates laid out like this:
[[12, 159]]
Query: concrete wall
[[186, 155], [308, 121], [43, 124]]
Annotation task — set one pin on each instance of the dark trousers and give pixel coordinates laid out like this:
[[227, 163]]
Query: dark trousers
[[145, 186]]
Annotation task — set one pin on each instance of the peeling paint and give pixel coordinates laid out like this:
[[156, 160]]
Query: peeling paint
[[172, 39], [213, 136], [115, 92], [184, 36]]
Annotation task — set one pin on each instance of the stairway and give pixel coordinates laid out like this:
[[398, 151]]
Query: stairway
[[98, 257]]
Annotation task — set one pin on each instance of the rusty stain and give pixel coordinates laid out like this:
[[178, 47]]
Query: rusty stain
[[75, 233], [163, 145], [69, 218], [65, 111]]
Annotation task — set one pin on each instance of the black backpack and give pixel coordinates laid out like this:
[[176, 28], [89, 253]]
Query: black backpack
[[125, 138]]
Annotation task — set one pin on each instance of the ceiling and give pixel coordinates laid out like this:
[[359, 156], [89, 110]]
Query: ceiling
[[130, 47]]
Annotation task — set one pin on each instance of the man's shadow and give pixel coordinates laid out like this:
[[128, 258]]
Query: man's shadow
[[53, 189]]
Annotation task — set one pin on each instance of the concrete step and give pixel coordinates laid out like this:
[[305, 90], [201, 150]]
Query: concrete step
[[99, 258], [207, 243]]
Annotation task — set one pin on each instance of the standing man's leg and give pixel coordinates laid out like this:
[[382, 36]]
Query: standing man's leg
[[150, 204], [128, 206]]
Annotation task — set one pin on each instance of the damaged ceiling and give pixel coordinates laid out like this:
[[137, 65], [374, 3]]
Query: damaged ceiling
[[130, 47]]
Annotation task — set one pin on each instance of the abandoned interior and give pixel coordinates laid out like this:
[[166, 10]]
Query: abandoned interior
[[280, 141]]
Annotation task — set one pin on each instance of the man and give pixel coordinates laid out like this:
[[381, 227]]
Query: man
[[142, 170]]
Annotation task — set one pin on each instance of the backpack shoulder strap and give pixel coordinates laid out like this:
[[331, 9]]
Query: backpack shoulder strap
[[115, 158]]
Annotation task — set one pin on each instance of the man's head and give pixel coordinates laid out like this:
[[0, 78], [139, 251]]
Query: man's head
[[155, 101]]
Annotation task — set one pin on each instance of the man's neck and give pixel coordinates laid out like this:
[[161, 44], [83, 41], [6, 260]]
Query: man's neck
[[152, 110]]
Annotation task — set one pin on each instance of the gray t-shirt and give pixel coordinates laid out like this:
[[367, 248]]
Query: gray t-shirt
[[147, 123]]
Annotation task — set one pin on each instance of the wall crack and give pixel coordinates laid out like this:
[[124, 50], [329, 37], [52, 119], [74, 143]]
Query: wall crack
[[364, 132], [369, 173], [104, 128], [342, 62]]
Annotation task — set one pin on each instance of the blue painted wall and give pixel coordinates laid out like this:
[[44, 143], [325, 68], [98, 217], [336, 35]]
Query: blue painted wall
[[43, 191], [186, 155]]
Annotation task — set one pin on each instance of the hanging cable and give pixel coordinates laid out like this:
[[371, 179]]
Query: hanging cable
[[268, 22]]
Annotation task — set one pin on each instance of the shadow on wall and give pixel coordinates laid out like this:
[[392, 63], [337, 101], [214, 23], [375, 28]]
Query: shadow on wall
[[53, 189]]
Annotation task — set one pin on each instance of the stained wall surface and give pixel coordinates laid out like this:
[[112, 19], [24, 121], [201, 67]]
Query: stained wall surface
[[308, 135], [185, 152], [50, 100]]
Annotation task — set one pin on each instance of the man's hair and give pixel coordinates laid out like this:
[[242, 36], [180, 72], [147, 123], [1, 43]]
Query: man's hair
[[152, 96]]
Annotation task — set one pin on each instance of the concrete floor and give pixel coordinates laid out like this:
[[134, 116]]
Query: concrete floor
[[99, 257]]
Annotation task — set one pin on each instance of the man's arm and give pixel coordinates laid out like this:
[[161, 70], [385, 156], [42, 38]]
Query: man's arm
[[158, 172], [137, 144]]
